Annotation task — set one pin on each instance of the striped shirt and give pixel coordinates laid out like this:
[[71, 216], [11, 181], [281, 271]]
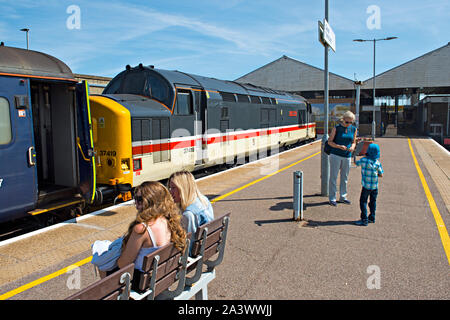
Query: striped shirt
[[369, 172]]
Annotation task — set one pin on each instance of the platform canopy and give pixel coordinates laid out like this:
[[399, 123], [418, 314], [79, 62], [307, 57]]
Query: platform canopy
[[292, 75], [427, 73], [17, 61]]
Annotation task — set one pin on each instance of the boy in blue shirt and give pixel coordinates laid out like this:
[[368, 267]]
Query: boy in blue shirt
[[371, 169]]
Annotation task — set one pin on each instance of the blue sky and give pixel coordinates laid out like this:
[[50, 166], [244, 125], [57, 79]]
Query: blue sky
[[224, 39]]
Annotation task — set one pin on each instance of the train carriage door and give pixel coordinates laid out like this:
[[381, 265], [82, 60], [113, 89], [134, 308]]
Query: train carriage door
[[85, 145], [202, 130], [302, 120], [18, 181], [199, 127]]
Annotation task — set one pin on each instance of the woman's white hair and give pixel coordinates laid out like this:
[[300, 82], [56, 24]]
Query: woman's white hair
[[348, 115]]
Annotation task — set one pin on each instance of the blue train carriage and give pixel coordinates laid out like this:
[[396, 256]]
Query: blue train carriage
[[46, 149]]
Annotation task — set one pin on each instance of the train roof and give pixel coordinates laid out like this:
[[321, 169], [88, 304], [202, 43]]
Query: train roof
[[35, 64], [178, 77]]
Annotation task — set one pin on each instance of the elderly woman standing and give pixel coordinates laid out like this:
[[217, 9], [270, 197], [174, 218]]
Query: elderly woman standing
[[342, 141]]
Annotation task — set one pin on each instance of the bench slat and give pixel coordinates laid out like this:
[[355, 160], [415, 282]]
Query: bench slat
[[164, 268], [213, 226], [104, 288]]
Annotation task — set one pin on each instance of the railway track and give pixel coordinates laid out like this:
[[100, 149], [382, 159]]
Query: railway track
[[22, 226]]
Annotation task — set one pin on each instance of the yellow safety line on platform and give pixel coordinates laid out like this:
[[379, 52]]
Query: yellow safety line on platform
[[437, 216], [261, 179], [84, 261], [44, 279]]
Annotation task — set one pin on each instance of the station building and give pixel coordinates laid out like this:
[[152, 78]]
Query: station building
[[96, 83], [404, 94]]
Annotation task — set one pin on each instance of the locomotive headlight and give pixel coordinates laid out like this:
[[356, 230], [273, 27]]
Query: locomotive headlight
[[125, 164], [111, 162]]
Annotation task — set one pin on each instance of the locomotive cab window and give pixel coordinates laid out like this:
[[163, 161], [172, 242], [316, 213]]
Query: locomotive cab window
[[148, 84], [183, 106], [135, 83], [5, 122], [156, 88]]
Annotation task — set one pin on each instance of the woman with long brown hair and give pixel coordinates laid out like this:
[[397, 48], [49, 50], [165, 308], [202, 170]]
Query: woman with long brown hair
[[159, 216]]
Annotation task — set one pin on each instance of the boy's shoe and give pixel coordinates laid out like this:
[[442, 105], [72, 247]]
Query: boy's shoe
[[371, 221], [361, 223], [345, 201], [333, 203]]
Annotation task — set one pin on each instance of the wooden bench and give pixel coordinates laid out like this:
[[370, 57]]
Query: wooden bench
[[165, 267], [116, 286], [161, 269], [209, 240]]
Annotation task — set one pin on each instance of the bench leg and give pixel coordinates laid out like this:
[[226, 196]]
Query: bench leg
[[202, 294]]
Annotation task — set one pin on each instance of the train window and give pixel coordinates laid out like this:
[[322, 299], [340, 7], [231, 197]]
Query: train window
[[184, 103], [114, 85], [134, 83], [255, 99], [274, 101], [226, 96], [242, 98], [156, 88], [265, 100], [5, 122]]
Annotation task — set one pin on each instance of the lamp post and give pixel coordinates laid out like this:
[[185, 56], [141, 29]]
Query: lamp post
[[26, 30], [373, 110], [324, 161]]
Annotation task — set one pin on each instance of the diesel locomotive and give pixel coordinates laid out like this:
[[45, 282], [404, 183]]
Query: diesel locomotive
[[151, 122]]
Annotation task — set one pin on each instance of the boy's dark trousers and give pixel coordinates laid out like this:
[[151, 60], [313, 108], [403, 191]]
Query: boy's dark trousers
[[372, 195]]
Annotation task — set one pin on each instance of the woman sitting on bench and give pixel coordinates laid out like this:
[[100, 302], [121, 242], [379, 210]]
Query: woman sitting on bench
[[159, 215], [196, 208]]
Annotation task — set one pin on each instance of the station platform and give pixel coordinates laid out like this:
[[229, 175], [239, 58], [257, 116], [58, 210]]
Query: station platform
[[404, 255]]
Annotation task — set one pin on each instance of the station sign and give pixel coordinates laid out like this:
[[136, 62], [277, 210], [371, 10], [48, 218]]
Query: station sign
[[370, 108], [326, 35]]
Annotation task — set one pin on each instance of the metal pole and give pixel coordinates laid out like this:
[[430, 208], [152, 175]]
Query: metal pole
[[298, 195], [325, 166], [448, 113], [374, 81], [26, 30], [358, 95]]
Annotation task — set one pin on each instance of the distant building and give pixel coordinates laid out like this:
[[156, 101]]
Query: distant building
[[433, 113], [397, 89], [96, 83]]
